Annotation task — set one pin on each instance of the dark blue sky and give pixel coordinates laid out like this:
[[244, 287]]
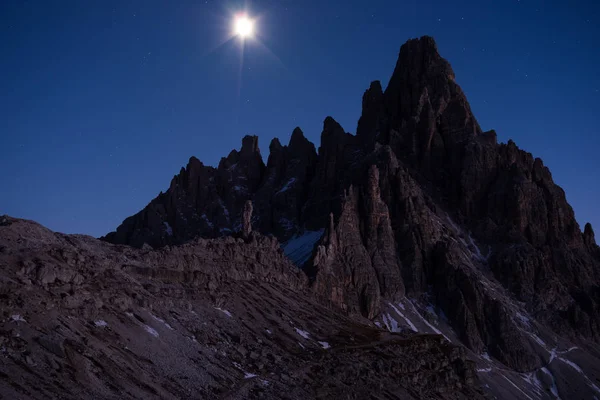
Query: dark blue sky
[[102, 102]]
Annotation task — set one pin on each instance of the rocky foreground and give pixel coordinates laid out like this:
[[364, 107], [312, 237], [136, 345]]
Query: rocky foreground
[[222, 318], [419, 258]]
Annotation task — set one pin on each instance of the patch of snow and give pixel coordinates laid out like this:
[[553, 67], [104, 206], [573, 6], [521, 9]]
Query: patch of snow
[[453, 224], [485, 369], [207, 221], [287, 185], [534, 381], [151, 330], [264, 382], [571, 364], [524, 320], [302, 333], [378, 324], [552, 355], [431, 309], [390, 323], [477, 252], [168, 228], [224, 311], [300, 248], [408, 321], [485, 356], [269, 332], [248, 375], [553, 388], [17, 318], [324, 345], [162, 320], [301, 345], [578, 369], [100, 323], [433, 328], [518, 388], [238, 188], [570, 349], [130, 315], [537, 339]]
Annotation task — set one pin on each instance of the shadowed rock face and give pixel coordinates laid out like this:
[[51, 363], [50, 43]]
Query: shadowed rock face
[[420, 203]]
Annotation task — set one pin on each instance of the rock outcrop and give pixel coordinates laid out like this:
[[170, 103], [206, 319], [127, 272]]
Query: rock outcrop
[[213, 318]]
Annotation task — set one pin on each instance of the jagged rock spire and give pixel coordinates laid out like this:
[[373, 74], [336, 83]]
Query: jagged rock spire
[[589, 238], [247, 219]]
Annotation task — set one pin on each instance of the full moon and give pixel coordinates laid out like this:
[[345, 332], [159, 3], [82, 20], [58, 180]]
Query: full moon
[[243, 26]]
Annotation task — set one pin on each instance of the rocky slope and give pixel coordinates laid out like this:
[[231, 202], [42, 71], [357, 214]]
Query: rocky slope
[[224, 318], [420, 224]]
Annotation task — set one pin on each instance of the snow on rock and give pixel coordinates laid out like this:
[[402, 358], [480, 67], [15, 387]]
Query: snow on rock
[[433, 328], [300, 248], [524, 320], [485, 356], [408, 321], [477, 253], [207, 221], [248, 375], [570, 349], [578, 369], [518, 388], [390, 323], [553, 388], [100, 323], [287, 185], [224, 311], [302, 333], [17, 318], [489, 369], [269, 332], [168, 229], [162, 321], [150, 330], [324, 345], [537, 339], [534, 381]]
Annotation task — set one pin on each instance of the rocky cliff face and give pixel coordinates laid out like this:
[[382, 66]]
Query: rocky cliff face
[[429, 224]]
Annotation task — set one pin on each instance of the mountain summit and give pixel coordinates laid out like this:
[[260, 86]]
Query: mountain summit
[[421, 232]]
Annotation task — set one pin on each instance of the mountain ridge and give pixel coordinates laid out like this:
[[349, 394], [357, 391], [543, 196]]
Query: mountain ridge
[[420, 224]]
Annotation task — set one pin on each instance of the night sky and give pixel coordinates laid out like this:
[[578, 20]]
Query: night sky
[[102, 102]]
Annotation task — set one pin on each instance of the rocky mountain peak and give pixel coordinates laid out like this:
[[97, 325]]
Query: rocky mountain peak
[[275, 146], [250, 145], [421, 210], [589, 237]]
